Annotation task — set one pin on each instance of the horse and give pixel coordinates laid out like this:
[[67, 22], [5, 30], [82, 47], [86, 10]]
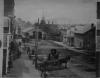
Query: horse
[[64, 60]]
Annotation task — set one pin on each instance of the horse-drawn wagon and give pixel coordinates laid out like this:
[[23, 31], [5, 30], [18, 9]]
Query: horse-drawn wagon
[[47, 66]]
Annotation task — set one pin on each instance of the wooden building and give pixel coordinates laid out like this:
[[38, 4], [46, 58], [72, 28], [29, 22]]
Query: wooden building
[[85, 39], [8, 14]]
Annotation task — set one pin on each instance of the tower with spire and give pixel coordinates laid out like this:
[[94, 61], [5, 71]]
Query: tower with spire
[[43, 20]]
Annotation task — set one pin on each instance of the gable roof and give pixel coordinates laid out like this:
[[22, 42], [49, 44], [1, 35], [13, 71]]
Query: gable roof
[[82, 29], [28, 29], [31, 29]]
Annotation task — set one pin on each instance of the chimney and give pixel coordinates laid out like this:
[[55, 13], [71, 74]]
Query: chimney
[[52, 22], [38, 20], [92, 25], [48, 22]]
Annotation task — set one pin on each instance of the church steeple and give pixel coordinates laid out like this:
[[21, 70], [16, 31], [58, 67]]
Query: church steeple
[[43, 20]]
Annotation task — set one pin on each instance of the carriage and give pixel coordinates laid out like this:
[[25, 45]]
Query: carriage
[[47, 66]]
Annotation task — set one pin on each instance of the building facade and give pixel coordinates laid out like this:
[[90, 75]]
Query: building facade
[[31, 32], [64, 35], [85, 39], [1, 35], [8, 15], [51, 29], [70, 36]]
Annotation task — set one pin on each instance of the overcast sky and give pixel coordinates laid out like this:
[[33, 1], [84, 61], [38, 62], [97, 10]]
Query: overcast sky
[[1, 13], [61, 11]]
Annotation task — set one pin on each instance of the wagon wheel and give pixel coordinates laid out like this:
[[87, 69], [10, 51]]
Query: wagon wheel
[[43, 75]]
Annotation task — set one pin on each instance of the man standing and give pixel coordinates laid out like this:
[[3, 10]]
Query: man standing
[[53, 55]]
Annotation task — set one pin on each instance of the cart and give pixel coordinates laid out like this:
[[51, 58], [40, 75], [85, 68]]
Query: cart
[[48, 66]]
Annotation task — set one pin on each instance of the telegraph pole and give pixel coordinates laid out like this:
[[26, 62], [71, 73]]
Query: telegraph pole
[[36, 44]]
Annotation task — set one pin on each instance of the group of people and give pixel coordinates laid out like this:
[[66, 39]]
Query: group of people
[[54, 59], [52, 56], [14, 53]]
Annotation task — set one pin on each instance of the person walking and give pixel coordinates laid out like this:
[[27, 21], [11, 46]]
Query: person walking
[[33, 54]]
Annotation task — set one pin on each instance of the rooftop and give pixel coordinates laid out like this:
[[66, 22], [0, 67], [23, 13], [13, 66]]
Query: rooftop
[[28, 29], [82, 29]]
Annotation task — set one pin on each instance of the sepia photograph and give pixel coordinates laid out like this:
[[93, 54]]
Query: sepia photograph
[[49, 38]]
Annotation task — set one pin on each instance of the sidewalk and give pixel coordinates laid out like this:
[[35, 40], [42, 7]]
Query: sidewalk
[[76, 68], [23, 68]]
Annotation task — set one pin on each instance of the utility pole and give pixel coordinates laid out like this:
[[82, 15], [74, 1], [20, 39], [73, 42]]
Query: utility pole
[[36, 44]]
